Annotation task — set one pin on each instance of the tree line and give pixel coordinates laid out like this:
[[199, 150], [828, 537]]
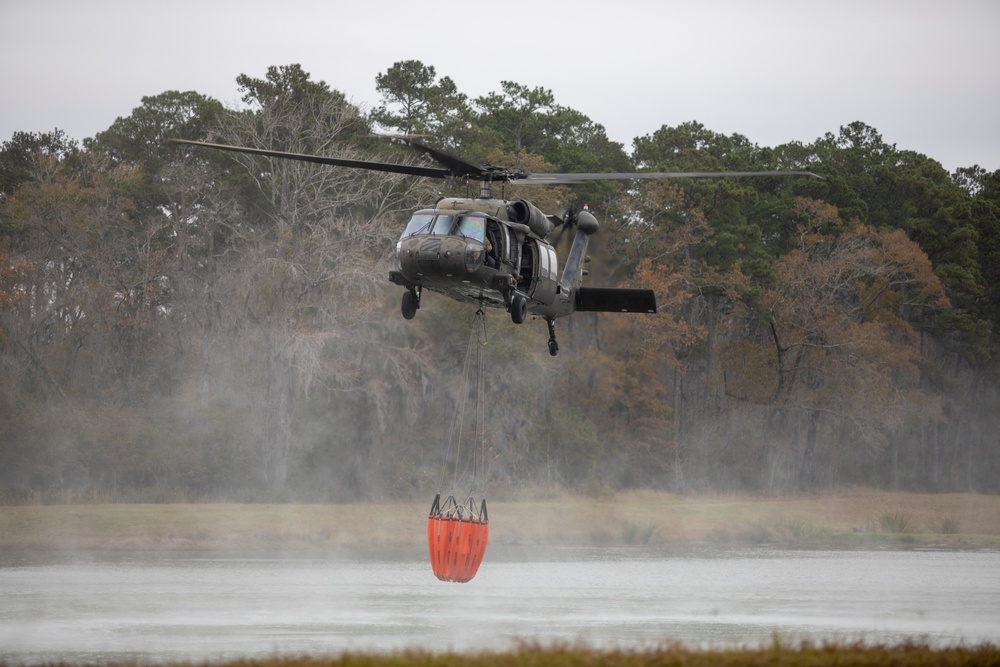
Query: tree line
[[181, 324]]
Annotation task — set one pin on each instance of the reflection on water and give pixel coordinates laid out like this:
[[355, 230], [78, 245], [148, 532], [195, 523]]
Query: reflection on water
[[183, 608]]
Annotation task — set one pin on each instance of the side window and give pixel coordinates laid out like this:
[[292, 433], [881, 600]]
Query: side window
[[543, 262], [471, 226], [552, 265]]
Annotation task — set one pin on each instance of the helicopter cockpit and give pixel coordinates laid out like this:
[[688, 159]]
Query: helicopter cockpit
[[438, 244]]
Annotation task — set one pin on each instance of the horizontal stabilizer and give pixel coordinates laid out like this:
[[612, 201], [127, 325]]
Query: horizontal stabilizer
[[615, 300]]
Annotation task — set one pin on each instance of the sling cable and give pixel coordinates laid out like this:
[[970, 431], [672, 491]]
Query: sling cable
[[457, 533]]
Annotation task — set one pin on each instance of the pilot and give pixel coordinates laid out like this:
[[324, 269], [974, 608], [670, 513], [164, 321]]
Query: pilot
[[492, 258]]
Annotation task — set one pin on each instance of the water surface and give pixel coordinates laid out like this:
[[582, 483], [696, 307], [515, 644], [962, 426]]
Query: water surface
[[183, 607]]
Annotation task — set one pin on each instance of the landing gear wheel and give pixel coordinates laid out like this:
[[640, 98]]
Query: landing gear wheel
[[409, 305], [518, 309], [553, 345]]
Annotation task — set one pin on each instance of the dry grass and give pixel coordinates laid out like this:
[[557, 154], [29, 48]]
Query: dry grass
[[840, 519], [777, 655]]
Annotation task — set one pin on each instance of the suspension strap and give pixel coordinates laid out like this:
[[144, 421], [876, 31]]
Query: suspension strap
[[479, 448], [475, 353]]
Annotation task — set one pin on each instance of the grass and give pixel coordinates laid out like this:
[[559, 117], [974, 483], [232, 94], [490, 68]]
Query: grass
[[638, 533], [798, 529], [844, 519], [529, 655], [946, 525], [895, 521]]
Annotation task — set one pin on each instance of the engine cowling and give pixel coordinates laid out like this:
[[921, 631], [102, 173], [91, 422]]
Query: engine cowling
[[526, 213]]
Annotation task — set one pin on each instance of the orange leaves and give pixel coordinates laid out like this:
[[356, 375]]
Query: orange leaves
[[669, 329], [14, 272], [661, 226], [817, 217], [749, 370], [841, 339], [863, 273]]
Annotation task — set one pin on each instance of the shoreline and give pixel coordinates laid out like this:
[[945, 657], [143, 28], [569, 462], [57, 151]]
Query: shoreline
[[847, 519]]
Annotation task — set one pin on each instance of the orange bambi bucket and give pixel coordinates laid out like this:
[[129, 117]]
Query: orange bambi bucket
[[456, 539]]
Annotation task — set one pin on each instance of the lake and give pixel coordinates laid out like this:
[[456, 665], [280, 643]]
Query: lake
[[181, 607]]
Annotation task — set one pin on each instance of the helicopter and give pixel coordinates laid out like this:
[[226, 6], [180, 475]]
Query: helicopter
[[496, 253]]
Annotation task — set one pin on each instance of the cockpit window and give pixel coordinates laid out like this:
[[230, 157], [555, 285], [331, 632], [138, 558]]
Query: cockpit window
[[429, 223], [420, 223], [472, 226], [443, 225]]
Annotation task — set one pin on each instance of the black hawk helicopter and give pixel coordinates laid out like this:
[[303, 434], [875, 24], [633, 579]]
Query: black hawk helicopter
[[493, 252]]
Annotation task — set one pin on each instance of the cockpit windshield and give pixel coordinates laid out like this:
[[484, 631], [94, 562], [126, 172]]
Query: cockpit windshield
[[429, 223], [469, 226], [420, 223], [443, 224]]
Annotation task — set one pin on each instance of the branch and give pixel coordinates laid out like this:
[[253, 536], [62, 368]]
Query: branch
[[38, 362]]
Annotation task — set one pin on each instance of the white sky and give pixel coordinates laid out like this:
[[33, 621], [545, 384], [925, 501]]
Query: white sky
[[925, 74]]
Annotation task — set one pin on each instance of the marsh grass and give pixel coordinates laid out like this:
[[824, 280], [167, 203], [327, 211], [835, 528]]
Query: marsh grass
[[638, 533], [895, 521], [758, 532], [835, 519], [531, 655], [800, 530], [947, 525]]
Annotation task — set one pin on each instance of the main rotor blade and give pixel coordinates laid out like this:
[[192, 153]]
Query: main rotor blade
[[456, 165], [431, 172], [558, 179]]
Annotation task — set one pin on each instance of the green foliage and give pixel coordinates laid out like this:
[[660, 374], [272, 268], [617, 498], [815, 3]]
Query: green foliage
[[416, 102], [18, 155], [141, 137], [750, 219]]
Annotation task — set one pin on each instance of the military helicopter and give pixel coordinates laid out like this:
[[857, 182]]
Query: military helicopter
[[496, 253]]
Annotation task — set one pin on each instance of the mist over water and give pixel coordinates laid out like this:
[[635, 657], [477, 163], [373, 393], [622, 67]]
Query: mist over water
[[194, 608]]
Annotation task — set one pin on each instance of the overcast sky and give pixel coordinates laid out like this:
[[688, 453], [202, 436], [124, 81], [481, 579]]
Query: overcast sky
[[925, 74]]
